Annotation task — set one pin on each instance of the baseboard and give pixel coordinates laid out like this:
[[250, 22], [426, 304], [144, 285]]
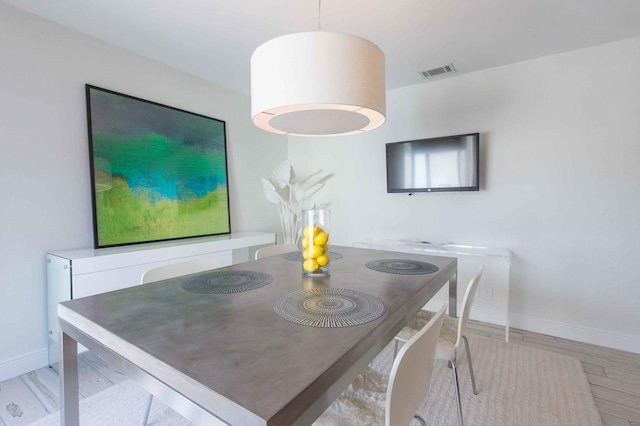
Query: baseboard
[[23, 364], [30, 362], [54, 354], [609, 339]]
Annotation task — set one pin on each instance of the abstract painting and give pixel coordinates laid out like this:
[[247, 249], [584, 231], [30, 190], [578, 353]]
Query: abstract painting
[[158, 173]]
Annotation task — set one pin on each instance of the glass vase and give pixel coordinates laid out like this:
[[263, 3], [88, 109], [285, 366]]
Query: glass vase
[[316, 231]]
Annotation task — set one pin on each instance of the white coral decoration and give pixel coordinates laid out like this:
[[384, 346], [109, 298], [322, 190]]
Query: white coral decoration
[[290, 194]]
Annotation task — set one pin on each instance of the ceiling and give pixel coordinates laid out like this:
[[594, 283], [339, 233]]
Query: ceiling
[[214, 39]]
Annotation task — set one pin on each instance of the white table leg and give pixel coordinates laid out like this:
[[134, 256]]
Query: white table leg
[[69, 400], [453, 295]]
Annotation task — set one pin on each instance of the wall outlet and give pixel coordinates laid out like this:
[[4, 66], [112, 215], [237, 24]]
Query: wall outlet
[[486, 293]]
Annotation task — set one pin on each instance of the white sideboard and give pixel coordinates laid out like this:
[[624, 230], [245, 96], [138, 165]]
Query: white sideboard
[[72, 274], [496, 278]]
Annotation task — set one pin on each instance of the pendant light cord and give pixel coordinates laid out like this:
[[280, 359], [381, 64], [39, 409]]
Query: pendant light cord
[[319, 14]]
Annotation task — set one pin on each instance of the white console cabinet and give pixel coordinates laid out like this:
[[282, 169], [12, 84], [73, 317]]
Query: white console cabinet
[[72, 274], [492, 301]]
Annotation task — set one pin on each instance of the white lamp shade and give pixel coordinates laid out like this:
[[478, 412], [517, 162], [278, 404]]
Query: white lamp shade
[[317, 84]]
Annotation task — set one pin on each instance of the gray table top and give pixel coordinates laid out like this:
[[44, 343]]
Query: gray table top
[[232, 354]]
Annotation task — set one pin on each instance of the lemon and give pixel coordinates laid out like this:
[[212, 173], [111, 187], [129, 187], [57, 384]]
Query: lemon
[[305, 254], [319, 230], [325, 248], [305, 242], [322, 260], [321, 238], [310, 265], [315, 251], [310, 231]]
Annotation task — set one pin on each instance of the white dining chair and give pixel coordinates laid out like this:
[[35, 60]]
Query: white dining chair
[[173, 270], [451, 338], [372, 400], [275, 250], [178, 269]]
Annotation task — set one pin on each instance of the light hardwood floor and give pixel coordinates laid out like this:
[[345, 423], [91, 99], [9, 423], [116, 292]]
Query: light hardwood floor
[[614, 377]]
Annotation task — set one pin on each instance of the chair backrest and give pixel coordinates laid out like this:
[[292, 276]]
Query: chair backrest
[[178, 269], [410, 376], [467, 301], [275, 250]]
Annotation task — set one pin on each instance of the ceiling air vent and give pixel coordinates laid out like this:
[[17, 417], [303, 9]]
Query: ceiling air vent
[[446, 69]]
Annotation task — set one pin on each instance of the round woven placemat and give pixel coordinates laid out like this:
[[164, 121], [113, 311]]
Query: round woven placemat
[[401, 266], [225, 282], [329, 307], [297, 256]]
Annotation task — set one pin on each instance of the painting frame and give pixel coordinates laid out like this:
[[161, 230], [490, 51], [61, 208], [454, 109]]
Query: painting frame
[[158, 173]]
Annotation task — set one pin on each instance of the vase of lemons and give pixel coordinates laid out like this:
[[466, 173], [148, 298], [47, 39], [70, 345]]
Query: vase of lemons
[[316, 232]]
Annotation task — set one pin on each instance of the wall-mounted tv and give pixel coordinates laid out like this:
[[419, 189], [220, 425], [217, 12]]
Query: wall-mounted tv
[[157, 173], [449, 163]]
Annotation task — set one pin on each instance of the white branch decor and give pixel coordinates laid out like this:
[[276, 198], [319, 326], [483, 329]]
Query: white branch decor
[[290, 193]]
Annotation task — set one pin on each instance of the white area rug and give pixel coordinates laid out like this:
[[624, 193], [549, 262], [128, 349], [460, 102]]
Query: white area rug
[[517, 385], [120, 405]]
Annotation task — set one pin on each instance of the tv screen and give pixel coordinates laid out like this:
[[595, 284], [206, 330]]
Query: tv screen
[[449, 163]]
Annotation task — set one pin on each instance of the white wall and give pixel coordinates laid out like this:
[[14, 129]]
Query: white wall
[[560, 138], [560, 184], [44, 161]]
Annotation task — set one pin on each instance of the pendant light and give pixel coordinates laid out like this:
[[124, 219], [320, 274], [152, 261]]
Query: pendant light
[[318, 84]]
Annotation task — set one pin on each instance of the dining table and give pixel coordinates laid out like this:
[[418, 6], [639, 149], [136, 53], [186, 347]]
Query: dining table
[[255, 343]]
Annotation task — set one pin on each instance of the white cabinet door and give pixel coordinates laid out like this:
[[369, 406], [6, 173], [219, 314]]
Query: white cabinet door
[[89, 284], [130, 276], [225, 257]]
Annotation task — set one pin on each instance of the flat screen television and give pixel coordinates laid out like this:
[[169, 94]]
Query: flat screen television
[[449, 163]]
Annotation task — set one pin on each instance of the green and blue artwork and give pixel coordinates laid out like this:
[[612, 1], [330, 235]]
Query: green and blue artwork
[[158, 173]]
